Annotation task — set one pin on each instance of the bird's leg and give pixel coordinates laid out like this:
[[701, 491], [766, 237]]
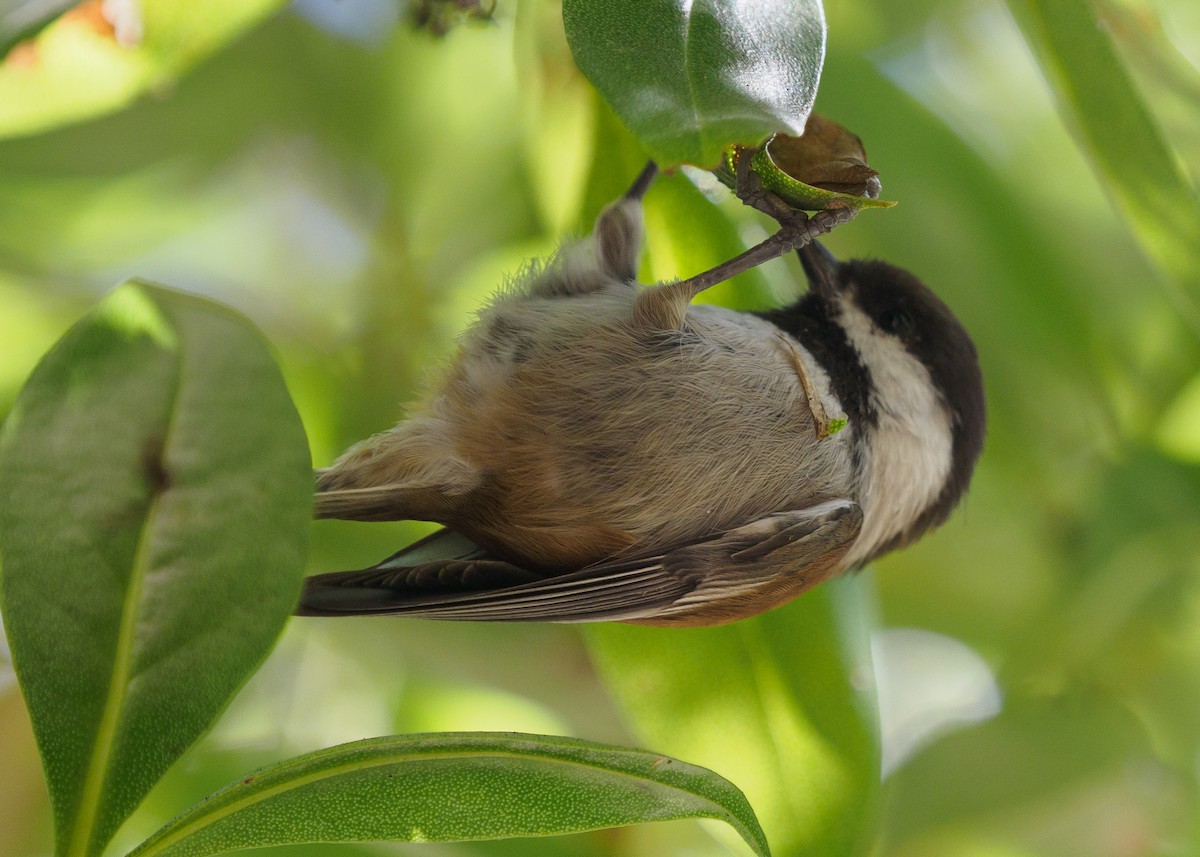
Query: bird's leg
[[642, 183], [612, 254], [791, 236], [750, 191], [618, 233], [664, 307], [796, 229]]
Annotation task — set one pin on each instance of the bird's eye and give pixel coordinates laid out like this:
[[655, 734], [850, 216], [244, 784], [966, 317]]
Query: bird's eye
[[896, 320]]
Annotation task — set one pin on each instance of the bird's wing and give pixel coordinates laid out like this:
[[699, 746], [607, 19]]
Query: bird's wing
[[446, 576], [734, 574]]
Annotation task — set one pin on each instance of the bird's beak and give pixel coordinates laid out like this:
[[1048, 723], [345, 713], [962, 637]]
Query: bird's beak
[[822, 269]]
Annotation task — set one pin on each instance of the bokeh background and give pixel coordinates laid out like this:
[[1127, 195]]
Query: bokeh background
[[358, 187]]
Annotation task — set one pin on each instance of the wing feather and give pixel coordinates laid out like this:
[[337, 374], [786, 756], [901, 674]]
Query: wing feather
[[737, 573], [442, 577]]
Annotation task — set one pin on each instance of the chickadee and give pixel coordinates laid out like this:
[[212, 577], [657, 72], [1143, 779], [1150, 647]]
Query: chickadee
[[600, 450]]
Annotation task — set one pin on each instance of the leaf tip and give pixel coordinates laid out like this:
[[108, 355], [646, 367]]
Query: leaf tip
[[131, 310]]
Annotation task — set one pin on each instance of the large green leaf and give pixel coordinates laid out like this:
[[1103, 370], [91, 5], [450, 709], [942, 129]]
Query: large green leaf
[[690, 78], [1117, 130], [153, 520], [781, 704], [82, 66], [452, 786]]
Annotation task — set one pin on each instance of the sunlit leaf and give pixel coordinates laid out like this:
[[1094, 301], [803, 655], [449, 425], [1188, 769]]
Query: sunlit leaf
[[153, 521], [93, 60], [1179, 431], [452, 787], [780, 704], [1153, 46], [690, 78], [1119, 134]]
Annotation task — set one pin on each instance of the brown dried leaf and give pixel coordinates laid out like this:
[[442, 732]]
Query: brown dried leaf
[[827, 156]]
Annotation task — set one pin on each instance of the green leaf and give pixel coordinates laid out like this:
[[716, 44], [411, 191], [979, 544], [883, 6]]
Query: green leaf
[[452, 786], [690, 78], [805, 196], [1118, 132], [82, 66], [153, 519], [780, 704]]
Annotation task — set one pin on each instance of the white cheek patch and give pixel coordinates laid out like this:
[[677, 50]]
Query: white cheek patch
[[910, 454]]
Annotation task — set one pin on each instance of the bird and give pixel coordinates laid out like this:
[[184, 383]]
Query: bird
[[603, 450]]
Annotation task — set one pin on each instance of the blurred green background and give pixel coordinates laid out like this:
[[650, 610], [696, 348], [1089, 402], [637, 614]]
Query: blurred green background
[[359, 187]]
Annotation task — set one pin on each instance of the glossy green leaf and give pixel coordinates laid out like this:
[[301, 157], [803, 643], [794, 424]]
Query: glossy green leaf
[[1118, 132], [153, 522], [84, 65], [690, 78], [452, 787], [781, 704]]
